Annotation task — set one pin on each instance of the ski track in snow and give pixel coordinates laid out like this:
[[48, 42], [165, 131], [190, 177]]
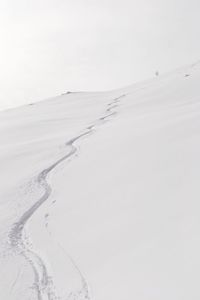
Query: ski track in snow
[[43, 282]]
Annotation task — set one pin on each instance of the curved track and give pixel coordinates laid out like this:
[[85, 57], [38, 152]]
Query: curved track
[[43, 283]]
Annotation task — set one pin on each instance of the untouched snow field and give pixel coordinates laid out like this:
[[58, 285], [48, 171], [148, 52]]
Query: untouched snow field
[[100, 194]]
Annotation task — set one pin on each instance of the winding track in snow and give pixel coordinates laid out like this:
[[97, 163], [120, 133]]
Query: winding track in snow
[[43, 282]]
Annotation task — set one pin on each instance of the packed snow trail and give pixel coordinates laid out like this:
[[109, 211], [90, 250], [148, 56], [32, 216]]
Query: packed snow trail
[[43, 284]]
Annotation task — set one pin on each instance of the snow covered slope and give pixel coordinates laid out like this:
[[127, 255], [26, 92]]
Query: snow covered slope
[[99, 195]]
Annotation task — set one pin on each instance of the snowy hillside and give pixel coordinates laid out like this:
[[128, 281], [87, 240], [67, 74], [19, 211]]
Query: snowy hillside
[[99, 194]]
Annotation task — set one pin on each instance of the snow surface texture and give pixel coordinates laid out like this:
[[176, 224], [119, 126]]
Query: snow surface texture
[[99, 195]]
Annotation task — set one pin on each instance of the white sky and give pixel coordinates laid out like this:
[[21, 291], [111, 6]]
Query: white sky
[[50, 46]]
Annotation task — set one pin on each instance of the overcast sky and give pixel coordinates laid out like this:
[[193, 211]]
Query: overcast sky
[[51, 46]]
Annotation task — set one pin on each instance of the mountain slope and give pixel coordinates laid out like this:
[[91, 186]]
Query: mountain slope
[[100, 194]]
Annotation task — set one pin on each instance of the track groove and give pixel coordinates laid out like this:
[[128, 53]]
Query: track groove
[[43, 283]]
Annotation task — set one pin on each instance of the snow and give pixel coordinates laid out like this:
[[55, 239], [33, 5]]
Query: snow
[[99, 194]]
